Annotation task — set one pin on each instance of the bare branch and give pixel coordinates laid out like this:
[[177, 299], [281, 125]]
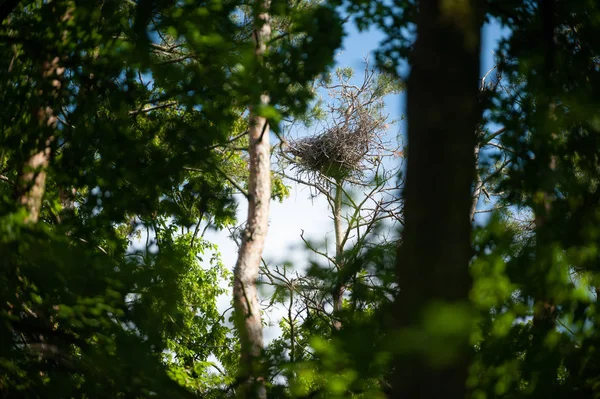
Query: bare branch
[[154, 107]]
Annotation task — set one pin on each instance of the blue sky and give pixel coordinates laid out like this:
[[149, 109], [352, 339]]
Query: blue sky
[[358, 44]]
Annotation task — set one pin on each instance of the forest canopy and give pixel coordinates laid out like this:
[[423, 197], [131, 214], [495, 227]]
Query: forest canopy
[[464, 259]]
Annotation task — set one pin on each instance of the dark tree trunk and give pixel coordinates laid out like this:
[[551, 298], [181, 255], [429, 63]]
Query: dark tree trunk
[[433, 260]]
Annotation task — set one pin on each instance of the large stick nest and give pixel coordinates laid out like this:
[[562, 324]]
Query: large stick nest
[[339, 151]]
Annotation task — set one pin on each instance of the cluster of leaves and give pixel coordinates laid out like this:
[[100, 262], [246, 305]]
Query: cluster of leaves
[[538, 338], [142, 103]]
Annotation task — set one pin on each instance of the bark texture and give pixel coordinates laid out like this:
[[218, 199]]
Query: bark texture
[[433, 260], [33, 183], [247, 307], [32, 179]]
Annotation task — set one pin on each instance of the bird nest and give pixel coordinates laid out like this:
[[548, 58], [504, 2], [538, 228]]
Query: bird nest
[[338, 152]]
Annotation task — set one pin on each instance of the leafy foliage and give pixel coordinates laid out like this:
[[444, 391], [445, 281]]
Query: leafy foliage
[[139, 112], [142, 101]]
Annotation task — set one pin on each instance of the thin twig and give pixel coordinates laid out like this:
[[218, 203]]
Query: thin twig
[[154, 107]]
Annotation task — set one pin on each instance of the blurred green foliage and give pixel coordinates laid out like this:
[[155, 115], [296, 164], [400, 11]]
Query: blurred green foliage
[[113, 292]]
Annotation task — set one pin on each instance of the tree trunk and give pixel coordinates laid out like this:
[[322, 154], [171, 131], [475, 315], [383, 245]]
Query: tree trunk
[[31, 183], [245, 295], [433, 260], [338, 294]]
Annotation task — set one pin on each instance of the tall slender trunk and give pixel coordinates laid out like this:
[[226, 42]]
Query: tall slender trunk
[[338, 294], [31, 183], [245, 295], [433, 260]]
